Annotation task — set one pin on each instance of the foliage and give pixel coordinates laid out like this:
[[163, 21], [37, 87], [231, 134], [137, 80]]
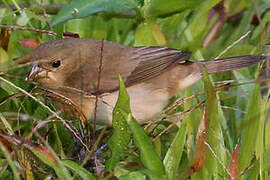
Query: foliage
[[228, 107]]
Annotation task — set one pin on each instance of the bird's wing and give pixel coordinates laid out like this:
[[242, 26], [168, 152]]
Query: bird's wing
[[134, 64], [153, 61], [99, 71]]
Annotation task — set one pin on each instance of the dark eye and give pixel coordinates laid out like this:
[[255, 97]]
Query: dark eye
[[56, 63]]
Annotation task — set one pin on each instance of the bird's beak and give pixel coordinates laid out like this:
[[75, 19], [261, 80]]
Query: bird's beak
[[35, 69]]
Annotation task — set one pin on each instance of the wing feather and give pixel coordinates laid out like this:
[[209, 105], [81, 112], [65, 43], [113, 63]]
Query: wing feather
[[153, 62]]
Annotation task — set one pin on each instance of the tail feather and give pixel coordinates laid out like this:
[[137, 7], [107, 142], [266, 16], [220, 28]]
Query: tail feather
[[232, 63]]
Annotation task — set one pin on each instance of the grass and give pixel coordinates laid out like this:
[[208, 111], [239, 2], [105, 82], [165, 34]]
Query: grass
[[218, 128]]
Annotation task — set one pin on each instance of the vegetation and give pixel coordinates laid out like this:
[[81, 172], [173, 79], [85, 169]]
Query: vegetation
[[218, 128]]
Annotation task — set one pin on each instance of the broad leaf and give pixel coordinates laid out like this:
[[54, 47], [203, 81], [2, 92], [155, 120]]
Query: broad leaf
[[149, 34], [121, 134], [166, 7], [83, 8], [148, 155]]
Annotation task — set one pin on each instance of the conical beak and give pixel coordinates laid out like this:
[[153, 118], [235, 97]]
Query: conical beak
[[35, 69]]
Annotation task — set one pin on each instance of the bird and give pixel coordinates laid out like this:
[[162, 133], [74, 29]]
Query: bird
[[85, 71]]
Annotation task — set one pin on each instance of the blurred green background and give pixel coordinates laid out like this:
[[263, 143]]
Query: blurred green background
[[238, 115]]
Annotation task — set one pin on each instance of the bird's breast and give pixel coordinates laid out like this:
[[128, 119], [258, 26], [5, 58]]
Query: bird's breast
[[145, 103]]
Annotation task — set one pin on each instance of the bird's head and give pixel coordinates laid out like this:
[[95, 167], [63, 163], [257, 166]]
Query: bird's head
[[54, 61]]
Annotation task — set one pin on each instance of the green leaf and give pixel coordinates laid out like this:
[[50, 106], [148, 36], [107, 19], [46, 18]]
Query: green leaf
[[267, 145], [6, 125], [261, 146], [32, 15], [214, 129], [23, 19], [82, 172], [3, 55], [149, 34], [137, 175], [174, 153], [121, 134], [166, 7], [59, 29], [11, 163], [148, 155], [250, 129], [48, 157], [83, 8]]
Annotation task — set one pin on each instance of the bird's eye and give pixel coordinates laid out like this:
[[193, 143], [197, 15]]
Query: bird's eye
[[56, 63]]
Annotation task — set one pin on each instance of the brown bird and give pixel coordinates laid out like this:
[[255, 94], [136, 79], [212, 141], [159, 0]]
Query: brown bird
[[73, 68]]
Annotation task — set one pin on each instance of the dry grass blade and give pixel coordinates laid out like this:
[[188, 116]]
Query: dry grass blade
[[17, 66], [218, 160], [200, 148], [182, 115], [98, 87], [215, 30], [169, 109], [4, 37], [233, 44], [55, 96], [234, 167], [60, 97], [27, 29], [181, 101]]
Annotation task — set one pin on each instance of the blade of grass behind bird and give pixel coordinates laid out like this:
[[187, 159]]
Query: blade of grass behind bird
[[215, 155], [250, 129], [192, 37], [266, 163], [260, 145]]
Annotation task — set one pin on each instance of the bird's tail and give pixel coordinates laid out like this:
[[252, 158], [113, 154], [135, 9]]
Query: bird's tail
[[232, 63]]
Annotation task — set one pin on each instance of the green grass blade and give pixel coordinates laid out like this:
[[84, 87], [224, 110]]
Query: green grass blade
[[6, 124], [121, 134], [214, 128], [250, 129], [134, 176], [11, 163], [82, 172], [174, 153], [148, 154], [49, 158]]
